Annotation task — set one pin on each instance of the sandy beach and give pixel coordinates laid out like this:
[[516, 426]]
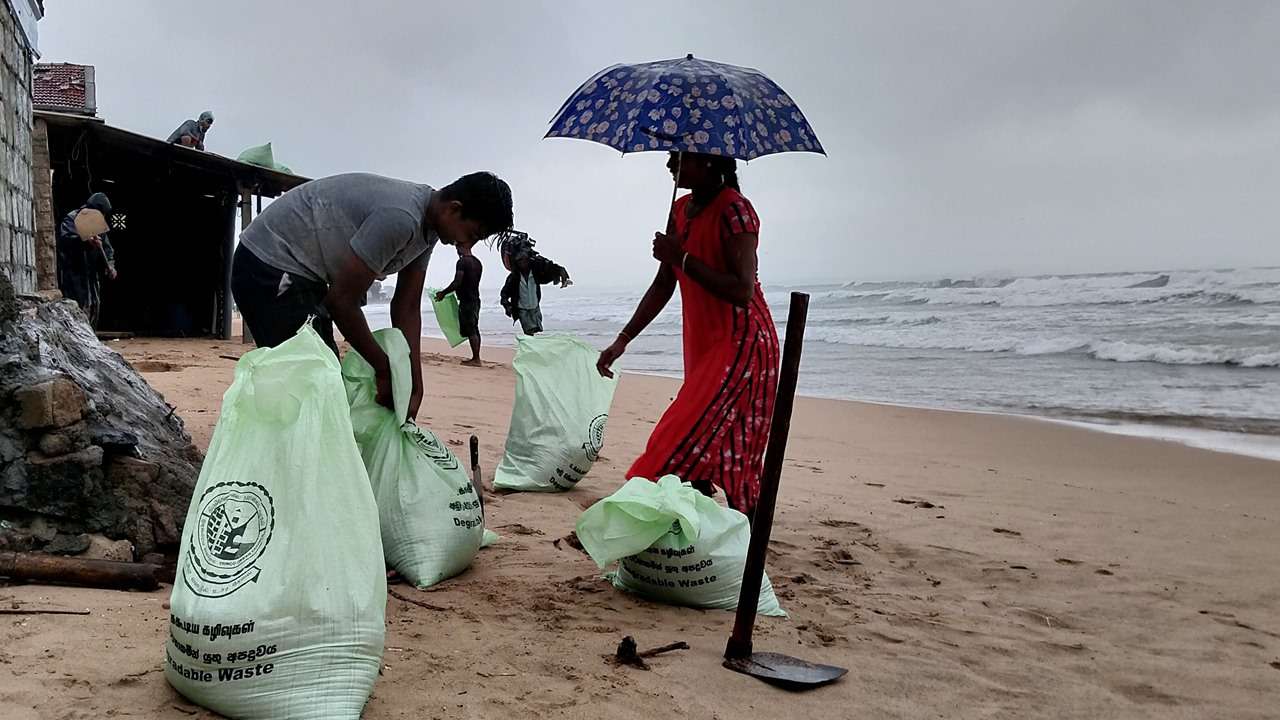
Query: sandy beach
[[961, 565]]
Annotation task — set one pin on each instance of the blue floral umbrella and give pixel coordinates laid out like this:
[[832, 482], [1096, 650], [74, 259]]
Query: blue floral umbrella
[[686, 105]]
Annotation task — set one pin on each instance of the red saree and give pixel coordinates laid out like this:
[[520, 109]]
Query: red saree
[[716, 430]]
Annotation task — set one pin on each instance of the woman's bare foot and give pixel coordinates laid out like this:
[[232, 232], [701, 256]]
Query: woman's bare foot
[[473, 363]]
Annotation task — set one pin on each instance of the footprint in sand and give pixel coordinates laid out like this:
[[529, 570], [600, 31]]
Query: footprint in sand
[[1230, 621], [1006, 531], [1040, 617], [842, 557], [1067, 561], [917, 503], [571, 540], [824, 635], [155, 366], [518, 529], [808, 465], [839, 523], [585, 499], [1146, 694]]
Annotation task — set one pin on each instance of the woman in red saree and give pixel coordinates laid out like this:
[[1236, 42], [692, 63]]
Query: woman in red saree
[[715, 432]]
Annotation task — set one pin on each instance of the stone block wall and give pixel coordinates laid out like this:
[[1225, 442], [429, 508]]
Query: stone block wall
[[17, 212]]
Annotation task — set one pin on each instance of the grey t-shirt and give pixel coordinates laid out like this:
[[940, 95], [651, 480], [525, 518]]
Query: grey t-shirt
[[381, 219]]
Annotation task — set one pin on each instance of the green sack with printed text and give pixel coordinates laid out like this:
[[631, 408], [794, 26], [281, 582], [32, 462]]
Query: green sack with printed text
[[431, 517], [672, 544], [277, 610], [446, 312], [559, 415]]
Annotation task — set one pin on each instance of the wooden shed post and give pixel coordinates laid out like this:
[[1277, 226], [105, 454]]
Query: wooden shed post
[[246, 217]]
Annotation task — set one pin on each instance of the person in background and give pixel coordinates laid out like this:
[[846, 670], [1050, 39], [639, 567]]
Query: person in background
[[466, 283], [522, 292], [714, 433], [84, 262], [315, 252], [191, 132]]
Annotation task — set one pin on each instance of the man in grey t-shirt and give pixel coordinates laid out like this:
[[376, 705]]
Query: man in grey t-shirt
[[316, 251]]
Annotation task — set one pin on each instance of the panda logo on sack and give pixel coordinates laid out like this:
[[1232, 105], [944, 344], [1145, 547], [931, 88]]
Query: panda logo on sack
[[595, 437], [232, 530]]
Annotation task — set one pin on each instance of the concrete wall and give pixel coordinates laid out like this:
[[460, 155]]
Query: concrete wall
[[17, 212]]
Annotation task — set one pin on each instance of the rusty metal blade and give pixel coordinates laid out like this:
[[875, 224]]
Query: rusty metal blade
[[785, 671]]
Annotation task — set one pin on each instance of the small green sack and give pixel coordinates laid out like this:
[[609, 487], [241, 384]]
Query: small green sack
[[431, 518], [559, 415], [262, 156], [672, 544], [446, 312]]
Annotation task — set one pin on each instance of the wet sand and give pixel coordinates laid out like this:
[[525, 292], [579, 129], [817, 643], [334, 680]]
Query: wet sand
[[961, 565]]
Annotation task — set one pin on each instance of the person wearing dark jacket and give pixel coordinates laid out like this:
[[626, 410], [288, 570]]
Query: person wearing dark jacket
[[84, 262], [522, 292], [191, 132]]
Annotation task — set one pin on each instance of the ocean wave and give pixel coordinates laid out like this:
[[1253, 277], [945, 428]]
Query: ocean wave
[[1109, 350], [1113, 296], [1215, 288], [1121, 351], [872, 321]]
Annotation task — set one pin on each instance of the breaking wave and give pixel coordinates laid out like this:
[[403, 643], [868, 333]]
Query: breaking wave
[[1201, 288], [1112, 350]]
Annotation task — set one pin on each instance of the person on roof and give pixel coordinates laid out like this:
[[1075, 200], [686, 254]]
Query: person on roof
[[191, 133]]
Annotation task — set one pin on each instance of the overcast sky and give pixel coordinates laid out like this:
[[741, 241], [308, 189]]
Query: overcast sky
[[963, 137]]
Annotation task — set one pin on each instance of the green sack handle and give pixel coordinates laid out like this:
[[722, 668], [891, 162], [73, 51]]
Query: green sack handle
[[275, 382], [357, 371]]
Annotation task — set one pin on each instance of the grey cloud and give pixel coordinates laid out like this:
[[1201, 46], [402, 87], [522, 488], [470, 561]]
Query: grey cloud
[[964, 137]]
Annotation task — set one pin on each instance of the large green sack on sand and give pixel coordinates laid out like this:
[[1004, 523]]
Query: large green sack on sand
[[446, 312], [431, 518], [559, 416], [279, 602], [672, 544]]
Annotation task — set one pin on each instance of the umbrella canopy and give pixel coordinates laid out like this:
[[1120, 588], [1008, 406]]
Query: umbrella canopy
[[687, 105]]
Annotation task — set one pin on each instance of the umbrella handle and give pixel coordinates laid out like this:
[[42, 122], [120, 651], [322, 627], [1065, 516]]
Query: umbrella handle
[[675, 188], [762, 524]]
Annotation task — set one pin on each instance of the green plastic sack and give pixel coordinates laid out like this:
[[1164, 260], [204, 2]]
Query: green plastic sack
[[262, 156], [672, 544], [446, 312], [279, 601], [559, 416], [431, 519]]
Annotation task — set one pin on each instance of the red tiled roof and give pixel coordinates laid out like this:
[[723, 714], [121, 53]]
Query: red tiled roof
[[61, 87]]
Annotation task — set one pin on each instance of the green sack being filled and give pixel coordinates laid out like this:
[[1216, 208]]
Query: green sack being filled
[[672, 544], [446, 312], [431, 518], [279, 602], [559, 415]]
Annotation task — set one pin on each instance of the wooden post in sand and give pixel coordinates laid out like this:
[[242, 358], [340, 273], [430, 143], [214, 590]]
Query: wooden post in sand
[[246, 217]]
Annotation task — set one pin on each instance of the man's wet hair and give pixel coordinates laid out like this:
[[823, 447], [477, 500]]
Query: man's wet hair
[[485, 197]]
